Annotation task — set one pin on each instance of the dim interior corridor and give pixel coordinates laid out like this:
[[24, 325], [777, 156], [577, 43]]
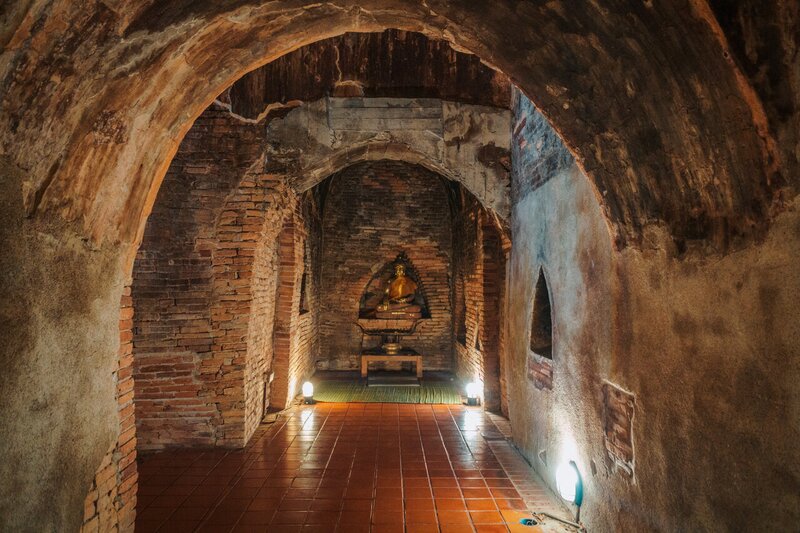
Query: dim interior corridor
[[525, 257], [350, 468]]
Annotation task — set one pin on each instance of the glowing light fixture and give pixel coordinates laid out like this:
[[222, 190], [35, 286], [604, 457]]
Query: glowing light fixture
[[570, 485], [308, 392], [473, 393]]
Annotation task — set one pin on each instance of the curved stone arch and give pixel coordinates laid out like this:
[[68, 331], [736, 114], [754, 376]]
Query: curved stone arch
[[369, 151], [247, 225], [465, 143], [378, 150], [612, 117]]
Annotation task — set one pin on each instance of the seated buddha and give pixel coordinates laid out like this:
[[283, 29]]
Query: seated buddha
[[398, 299]]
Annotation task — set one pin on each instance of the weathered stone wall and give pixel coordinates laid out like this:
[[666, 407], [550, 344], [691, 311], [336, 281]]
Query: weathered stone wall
[[60, 326], [296, 339], [465, 143], [713, 165], [479, 273], [373, 212], [764, 39], [673, 374]]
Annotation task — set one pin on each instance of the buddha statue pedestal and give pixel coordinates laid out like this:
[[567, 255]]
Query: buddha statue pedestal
[[390, 330], [390, 350], [394, 316], [399, 311]]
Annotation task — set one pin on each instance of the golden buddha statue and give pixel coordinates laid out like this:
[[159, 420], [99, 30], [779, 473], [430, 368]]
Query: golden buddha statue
[[401, 289], [398, 299]]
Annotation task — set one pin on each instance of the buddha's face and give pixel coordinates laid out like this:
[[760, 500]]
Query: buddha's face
[[399, 270]]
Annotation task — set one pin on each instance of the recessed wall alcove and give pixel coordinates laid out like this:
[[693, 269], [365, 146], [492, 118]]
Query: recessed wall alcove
[[374, 292], [541, 338]]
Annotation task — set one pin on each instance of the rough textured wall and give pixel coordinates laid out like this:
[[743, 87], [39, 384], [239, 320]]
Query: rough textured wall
[[205, 289], [465, 143], [111, 502], [600, 72], [296, 339], [59, 322], [557, 227], [264, 300], [245, 236], [374, 211], [392, 63], [673, 379], [711, 348], [764, 39], [479, 273], [180, 396]]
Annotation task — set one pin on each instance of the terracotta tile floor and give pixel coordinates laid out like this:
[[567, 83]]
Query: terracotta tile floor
[[349, 468]]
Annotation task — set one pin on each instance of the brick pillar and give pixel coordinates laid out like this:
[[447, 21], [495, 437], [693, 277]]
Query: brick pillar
[[284, 304], [493, 279]]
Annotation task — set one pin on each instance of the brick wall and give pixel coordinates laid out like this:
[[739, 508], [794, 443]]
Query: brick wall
[[178, 400], [479, 273], [205, 289], [374, 211], [111, 502], [296, 330]]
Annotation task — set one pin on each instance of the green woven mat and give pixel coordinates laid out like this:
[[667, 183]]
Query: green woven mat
[[348, 391]]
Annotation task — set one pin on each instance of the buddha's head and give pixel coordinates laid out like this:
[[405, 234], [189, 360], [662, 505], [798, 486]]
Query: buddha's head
[[399, 270]]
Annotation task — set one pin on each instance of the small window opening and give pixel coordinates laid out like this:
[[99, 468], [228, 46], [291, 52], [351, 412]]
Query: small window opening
[[303, 296], [542, 320], [461, 318]]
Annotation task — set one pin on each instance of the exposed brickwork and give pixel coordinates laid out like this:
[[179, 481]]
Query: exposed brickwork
[[180, 398], [373, 212], [480, 259], [391, 68], [244, 307], [111, 502], [205, 288], [618, 410], [295, 331], [540, 371]]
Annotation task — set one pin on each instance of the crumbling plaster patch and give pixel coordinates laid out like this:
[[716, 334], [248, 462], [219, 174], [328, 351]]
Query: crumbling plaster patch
[[306, 135]]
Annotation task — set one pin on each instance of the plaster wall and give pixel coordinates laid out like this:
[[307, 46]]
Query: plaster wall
[[465, 143], [59, 325], [706, 344]]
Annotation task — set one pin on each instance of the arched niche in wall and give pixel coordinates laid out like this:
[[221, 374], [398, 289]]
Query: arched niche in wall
[[374, 291], [541, 336]]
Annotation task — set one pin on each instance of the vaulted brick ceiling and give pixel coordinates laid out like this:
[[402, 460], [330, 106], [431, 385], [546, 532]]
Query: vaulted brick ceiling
[[645, 94], [392, 63]]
